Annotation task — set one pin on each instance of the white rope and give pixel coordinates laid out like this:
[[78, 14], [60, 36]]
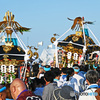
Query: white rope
[[93, 35], [25, 52], [13, 54], [21, 41], [71, 43], [84, 34], [25, 71], [17, 38]]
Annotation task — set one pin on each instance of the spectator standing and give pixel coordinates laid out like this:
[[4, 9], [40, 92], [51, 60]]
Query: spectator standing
[[82, 71], [91, 78], [39, 89], [77, 80], [50, 86], [19, 91], [57, 76], [64, 74]]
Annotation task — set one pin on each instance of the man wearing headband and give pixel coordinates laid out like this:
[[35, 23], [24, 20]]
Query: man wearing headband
[[77, 80], [47, 68], [42, 70], [2, 92], [57, 73]]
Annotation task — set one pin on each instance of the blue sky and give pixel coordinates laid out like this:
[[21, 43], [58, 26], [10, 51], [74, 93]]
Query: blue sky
[[47, 17]]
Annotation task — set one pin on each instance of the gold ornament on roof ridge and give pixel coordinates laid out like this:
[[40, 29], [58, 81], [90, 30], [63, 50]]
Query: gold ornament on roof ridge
[[31, 54], [10, 25], [78, 22], [53, 39], [19, 49]]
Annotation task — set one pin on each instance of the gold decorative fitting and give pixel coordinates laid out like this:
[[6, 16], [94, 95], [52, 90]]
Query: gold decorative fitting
[[79, 33], [87, 44], [27, 74], [89, 41], [30, 53], [15, 73], [80, 51], [8, 43], [5, 56], [36, 54], [35, 48], [69, 46], [75, 38], [19, 49], [53, 39], [6, 49], [8, 62], [32, 73]]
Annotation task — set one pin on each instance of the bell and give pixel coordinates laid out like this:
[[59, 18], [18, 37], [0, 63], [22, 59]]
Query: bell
[[32, 73], [15, 69], [27, 74]]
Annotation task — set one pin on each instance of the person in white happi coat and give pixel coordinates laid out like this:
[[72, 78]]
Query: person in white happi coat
[[64, 74], [90, 93], [76, 80], [57, 73]]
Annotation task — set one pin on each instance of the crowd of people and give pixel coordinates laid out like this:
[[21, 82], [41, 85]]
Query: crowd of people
[[52, 83]]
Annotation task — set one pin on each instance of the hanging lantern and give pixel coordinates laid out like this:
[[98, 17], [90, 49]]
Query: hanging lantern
[[69, 54], [75, 57], [11, 69], [3, 68]]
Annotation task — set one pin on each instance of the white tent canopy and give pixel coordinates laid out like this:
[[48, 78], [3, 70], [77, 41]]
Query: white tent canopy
[[47, 55]]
